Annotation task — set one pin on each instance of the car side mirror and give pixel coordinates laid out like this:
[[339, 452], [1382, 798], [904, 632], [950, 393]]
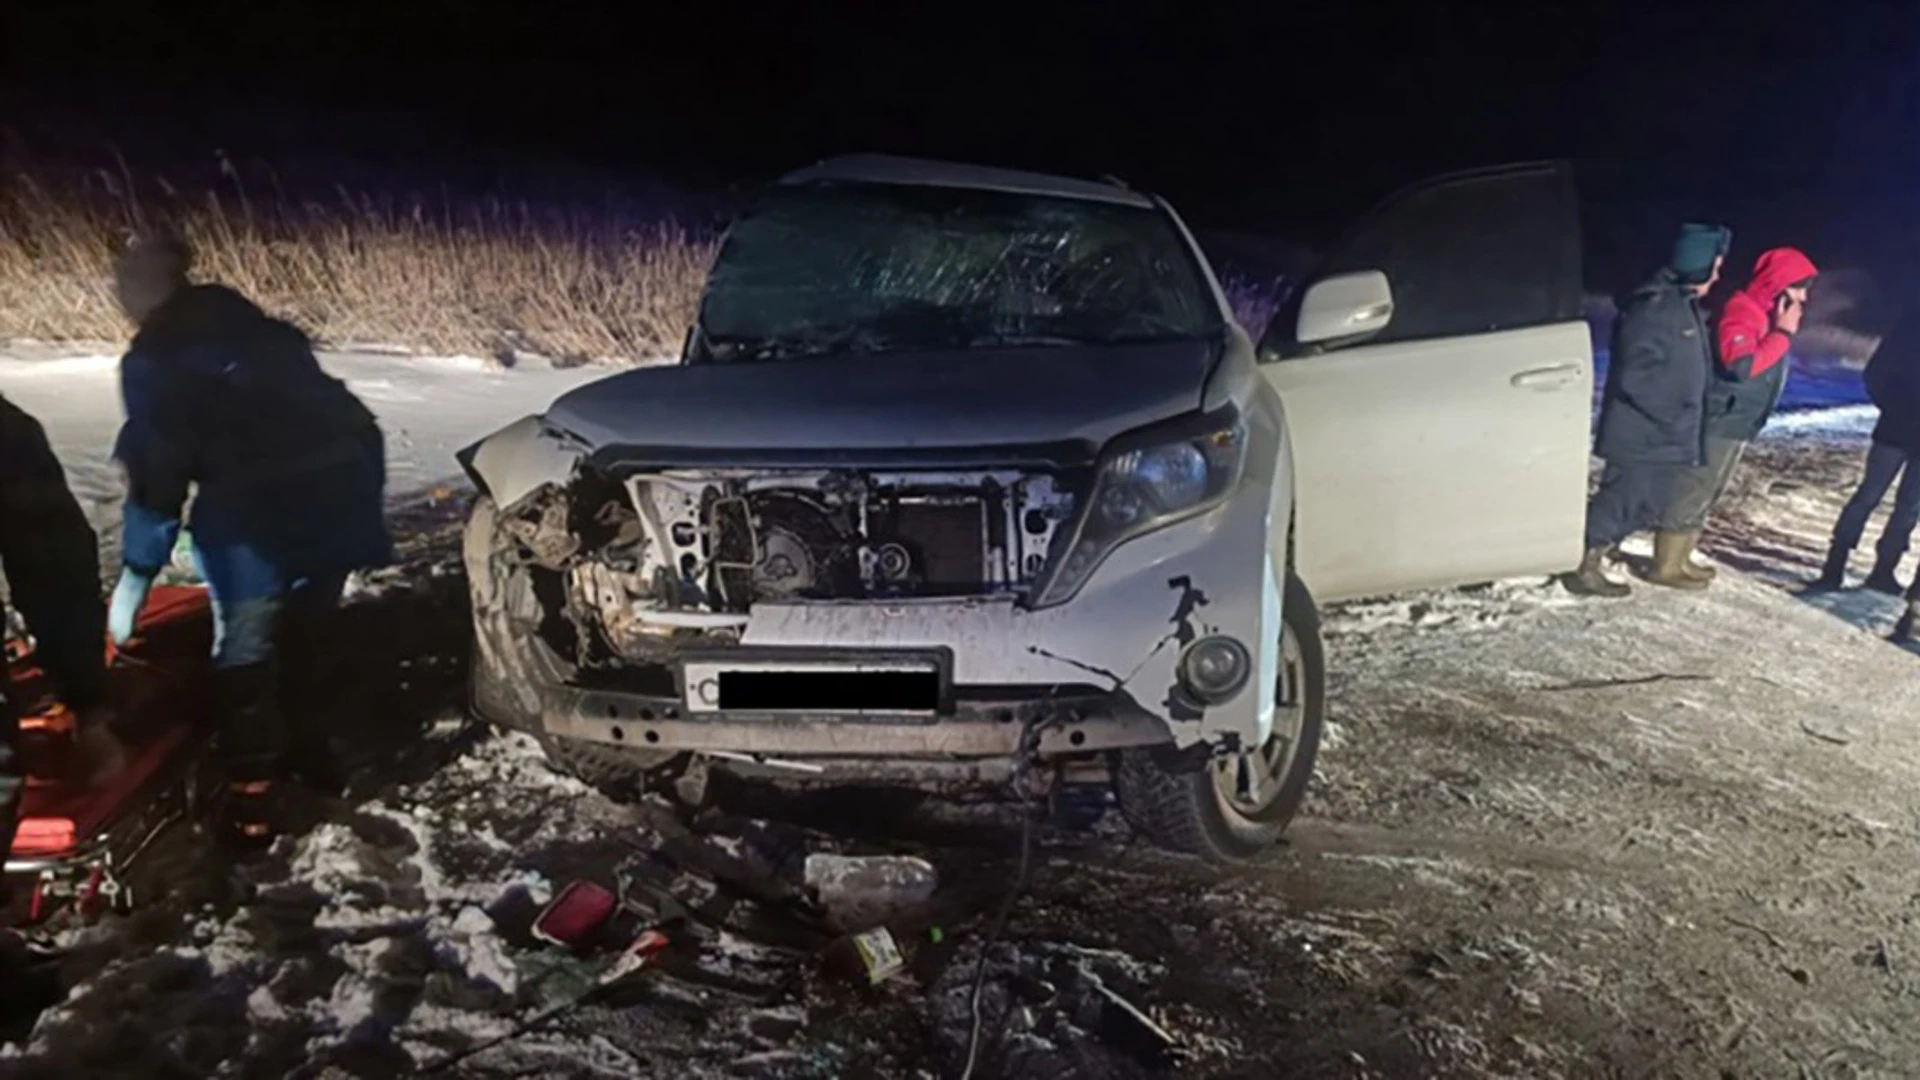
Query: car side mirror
[[1345, 306]]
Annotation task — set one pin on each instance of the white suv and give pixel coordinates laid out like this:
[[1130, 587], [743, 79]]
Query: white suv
[[967, 474]]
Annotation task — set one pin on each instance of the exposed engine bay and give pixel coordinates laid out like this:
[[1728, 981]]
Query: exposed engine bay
[[664, 558]]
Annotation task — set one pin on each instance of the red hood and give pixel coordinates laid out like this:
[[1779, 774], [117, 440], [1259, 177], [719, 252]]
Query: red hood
[[1776, 270]]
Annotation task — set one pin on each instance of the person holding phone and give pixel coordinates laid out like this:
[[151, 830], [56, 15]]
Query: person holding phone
[[1754, 336]]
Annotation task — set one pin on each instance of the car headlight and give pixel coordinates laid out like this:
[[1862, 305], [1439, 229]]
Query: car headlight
[[1146, 482]]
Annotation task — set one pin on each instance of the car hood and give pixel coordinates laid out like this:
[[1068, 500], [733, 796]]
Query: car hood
[[867, 405]]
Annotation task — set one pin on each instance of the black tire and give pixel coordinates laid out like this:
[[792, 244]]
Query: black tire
[[1180, 807], [599, 765]]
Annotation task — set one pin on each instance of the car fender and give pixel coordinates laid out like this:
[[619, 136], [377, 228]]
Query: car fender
[[1270, 470], [1239, 378], [1257, 531], [520, 459]]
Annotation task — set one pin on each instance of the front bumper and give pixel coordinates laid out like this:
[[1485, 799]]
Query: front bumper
[[978, 732], [1098, 673]]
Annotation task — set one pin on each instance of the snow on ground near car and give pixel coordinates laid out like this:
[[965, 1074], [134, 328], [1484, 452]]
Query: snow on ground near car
[[1670, 835]]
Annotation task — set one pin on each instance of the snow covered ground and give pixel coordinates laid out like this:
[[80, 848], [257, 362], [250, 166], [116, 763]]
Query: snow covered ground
[[1670, 835]]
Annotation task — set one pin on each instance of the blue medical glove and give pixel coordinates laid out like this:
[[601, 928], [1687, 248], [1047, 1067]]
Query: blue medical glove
[[128, 598]]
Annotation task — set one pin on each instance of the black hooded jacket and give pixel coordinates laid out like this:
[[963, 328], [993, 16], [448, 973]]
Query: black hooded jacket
[[1662, 357], [52, 562], [1893, 384]]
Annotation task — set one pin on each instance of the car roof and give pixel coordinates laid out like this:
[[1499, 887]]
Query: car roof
[[887, 169]]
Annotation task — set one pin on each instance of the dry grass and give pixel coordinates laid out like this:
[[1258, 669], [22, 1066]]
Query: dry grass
[[477, 277], [438, 275]]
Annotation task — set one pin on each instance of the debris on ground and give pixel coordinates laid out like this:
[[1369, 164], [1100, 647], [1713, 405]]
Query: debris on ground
[[865, 891], [1049, 1009]]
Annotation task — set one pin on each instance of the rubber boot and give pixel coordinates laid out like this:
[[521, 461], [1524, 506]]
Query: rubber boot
[[1671, 551], [1833, 576], [1592, 580], [310, 756], [251, 735], [1903, 630], [1882, 580], [1690, 542], [250, 816], [313, 761]]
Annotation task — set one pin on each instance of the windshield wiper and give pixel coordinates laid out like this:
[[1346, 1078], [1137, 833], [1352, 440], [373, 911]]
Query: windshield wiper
[[850, 340], [1019, 341], [1067, 340]]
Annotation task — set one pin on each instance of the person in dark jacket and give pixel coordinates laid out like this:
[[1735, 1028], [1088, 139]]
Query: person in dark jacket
[[52, 561], [1893, 384], [1755, 333], [1650, 428], [287, 471]]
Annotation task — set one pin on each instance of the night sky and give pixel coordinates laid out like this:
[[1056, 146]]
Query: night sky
[[1793, 121]]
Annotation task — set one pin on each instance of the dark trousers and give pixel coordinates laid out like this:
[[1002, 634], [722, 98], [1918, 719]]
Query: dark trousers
[[266, 663], [1884, 465], [1629, 499], [13, 784], [1701, 486]]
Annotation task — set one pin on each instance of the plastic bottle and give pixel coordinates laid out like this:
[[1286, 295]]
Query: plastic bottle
[[910, 944]]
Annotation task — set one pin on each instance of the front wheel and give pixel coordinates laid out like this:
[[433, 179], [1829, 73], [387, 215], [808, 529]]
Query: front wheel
[[1231, 808]]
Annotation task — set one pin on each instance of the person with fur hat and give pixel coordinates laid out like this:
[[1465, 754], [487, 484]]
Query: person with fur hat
[[1650, 429]]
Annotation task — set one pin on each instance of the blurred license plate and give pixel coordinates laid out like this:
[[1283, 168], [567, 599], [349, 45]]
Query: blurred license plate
[[891, 685]]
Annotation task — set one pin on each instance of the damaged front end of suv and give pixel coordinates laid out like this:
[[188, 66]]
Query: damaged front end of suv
[[961, 478]]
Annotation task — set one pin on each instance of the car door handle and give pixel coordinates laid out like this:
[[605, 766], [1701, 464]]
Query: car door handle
[[1546, 377]]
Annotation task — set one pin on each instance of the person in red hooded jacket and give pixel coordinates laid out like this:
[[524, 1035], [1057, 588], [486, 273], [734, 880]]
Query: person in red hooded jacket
[[1755, 333]]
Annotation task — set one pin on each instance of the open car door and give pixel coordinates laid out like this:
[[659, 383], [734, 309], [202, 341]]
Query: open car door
[[1438, 382]]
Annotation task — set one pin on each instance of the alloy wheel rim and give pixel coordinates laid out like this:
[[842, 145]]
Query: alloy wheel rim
[[1248, 783]]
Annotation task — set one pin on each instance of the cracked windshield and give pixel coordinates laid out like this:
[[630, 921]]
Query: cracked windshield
[[872, 268]]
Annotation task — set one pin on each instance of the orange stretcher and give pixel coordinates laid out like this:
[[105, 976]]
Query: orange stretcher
[[75, 842]]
